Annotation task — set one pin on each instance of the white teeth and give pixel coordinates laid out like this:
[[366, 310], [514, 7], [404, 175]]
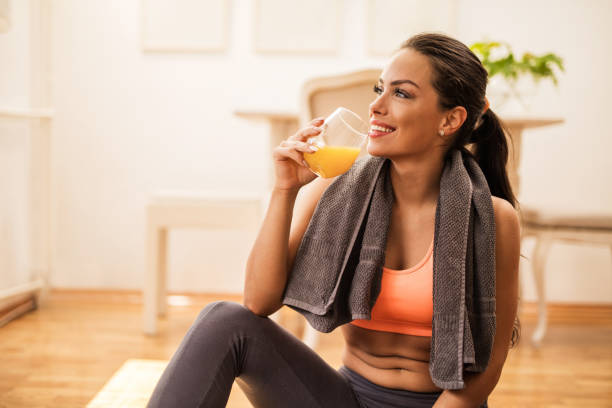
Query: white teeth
[[381, 129]]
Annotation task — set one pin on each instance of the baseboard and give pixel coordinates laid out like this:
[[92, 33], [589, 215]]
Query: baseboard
[[565, 312], [132, 296], [19, 306]]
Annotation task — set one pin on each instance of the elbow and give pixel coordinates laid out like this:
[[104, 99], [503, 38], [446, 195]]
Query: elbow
[[263, 311], [493, 376], [252, 307]]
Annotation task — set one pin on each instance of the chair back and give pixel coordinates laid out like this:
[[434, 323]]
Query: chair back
[[322, 95]]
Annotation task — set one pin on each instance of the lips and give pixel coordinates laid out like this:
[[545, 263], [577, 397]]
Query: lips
[[378, 128], [376, 133]]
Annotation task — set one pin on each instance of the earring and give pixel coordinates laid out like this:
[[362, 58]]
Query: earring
[[441, 132]]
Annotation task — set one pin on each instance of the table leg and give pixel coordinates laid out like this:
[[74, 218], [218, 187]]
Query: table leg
[[540, 255], [162, 267], [514, 157], [151, 286]]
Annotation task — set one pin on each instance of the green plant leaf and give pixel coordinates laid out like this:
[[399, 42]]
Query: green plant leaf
[[539, 67]]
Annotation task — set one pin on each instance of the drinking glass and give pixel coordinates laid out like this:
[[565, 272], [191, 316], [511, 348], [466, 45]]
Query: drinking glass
[[339, 143]]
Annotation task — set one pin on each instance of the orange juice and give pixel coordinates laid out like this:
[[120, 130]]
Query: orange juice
[[330, 161]]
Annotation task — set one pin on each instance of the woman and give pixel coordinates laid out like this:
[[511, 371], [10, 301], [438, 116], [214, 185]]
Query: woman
[[430, 99]]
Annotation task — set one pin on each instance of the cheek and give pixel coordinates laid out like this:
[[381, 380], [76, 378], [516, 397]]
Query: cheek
[[413, 131], [419, 124], [410, 116]]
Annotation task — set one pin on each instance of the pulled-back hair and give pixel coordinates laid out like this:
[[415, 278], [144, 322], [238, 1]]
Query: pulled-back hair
[[460, 79]]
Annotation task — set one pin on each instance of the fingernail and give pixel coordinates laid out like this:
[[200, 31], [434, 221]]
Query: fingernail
[[313, 148]]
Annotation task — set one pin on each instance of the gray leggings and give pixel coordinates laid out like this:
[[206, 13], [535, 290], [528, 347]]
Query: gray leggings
[[273, 368]]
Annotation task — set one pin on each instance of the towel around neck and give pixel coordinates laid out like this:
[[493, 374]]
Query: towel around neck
[[337, 271]]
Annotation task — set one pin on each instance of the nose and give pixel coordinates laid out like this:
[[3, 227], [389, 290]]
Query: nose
[[378, 106]]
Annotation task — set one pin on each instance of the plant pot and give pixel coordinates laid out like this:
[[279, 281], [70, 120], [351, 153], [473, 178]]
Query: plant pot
[[498, 92], [512, 97]]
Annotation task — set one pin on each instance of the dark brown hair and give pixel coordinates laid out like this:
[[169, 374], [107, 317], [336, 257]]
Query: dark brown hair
[[460, 79]]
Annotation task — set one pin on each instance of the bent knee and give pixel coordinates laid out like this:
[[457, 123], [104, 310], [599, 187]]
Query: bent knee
[[228, 313]]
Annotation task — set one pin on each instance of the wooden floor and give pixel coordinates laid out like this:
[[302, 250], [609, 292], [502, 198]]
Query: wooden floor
[[63, 353]]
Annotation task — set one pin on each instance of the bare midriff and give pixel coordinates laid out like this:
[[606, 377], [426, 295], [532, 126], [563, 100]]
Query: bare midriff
[[391, 360]]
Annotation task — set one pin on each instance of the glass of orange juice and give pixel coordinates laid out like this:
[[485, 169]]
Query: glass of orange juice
[[340, 142]]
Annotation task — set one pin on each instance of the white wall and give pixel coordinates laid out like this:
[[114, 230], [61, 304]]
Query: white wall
[[15, 58], [128, 123], [14, 145], [566, 166]]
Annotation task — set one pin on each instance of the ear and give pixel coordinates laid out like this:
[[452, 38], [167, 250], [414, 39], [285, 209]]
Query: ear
[[452, 120]]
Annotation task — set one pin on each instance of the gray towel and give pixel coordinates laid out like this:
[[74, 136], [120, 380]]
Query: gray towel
[[337, 271]]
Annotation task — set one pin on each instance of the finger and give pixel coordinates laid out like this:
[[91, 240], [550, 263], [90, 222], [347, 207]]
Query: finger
[[300, 146], [305, 147], [297, 157], [317, 121], [311, 131], [284, 153], [306, 133]]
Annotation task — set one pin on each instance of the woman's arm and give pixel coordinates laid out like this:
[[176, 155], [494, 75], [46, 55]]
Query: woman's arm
[[266, 268], [267, 265], [478, 386], [276, 245]]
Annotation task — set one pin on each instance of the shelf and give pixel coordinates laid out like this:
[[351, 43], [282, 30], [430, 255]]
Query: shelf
[[40, 113]]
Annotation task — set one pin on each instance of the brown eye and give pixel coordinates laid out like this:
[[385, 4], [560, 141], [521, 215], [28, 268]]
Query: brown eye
[[402, 93]]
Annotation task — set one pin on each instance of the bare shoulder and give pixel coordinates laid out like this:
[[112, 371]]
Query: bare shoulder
[[505, 213], [507, 234], [507, 254]]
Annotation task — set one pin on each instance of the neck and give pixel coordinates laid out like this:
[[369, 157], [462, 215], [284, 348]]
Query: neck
[[416, 181]]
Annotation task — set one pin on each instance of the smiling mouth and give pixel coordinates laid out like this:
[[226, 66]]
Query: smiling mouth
[[378, 131], [381, 129]]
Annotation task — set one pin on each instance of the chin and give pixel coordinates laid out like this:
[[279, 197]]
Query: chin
[[374, 150]]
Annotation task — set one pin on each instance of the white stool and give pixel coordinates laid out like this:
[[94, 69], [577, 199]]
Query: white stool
[[210, 210], [547, 226]]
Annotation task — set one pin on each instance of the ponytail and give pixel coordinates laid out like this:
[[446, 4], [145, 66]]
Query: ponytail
[[491, 154]]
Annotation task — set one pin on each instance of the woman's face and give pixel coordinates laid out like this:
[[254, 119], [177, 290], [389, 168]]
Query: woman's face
[[408, 111]]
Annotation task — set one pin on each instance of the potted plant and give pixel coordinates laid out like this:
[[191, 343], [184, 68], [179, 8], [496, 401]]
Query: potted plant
[[511, 78]]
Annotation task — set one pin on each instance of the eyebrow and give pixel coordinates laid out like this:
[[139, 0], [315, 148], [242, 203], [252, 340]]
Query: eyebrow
[[400, 81]]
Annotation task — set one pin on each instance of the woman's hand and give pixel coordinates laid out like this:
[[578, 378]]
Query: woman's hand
[[289, 167]]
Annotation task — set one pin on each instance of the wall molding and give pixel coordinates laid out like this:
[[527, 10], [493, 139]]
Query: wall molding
[[184, 27]]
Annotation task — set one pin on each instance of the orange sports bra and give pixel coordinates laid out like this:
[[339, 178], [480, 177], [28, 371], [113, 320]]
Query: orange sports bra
[[405, 302]]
